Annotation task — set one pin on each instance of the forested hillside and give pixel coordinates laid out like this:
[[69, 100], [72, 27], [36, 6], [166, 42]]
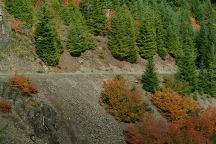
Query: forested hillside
[[170, 45], [184, 29]]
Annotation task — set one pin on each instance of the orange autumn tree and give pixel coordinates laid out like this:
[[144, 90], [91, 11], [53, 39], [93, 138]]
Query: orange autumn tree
[[174, 106]]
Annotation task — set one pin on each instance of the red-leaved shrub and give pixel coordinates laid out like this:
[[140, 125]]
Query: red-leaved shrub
[[153, 131], [124, 103], [24, 84], [194, 130], [148, 131], [4, 106]]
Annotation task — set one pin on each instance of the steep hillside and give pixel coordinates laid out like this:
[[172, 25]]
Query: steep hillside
[[107, 72]]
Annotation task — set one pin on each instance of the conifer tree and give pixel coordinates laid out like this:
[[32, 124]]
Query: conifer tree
[[146, 40], [203, 46], [48, 46], [149, 79], [160, 31], [121, 37], [94, 12], [212, 73], [21, 9], [203, 80], [186, 63], [173, 37]]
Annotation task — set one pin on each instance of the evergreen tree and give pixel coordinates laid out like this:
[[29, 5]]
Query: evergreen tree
[[186, 63], [94, 12], [203, 80], [203, 46], [149, 78], [173, 37], [121, 37], [21, 9], [212, 73], [160, 31], [48, 46], [146, 40]]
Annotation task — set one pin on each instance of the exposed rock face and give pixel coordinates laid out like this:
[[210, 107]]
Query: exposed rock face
[[65, 111]]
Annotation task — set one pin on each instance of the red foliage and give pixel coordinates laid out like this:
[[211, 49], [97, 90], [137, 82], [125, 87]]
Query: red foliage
[[24, 84], [4, 106], [195, 130], [124, 103], [148, 131]]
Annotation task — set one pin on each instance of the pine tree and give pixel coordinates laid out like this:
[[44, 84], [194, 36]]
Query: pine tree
[[173, 37], [186, 63], [203, 80], [203, 46], [146, 40], [149, 78], [121, 37], [21, 9], [48, 46], [212, 73], [94, 12], [160, 31]]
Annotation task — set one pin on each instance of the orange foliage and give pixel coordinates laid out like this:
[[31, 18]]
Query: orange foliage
[[24, 84], [108, 25], [195, 24], [67, 2], [174, 106], [137, 23], [4, 106], [123, 102], [37, 4], [109, 14], [17, 26], [77, 3]]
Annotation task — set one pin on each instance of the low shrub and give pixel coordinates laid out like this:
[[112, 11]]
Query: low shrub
[[24, 84], [148, 131], [4, 106], [124, 103], [174, 106]]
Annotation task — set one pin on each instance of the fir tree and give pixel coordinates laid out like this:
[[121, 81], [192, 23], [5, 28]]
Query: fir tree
[[186, 63], [48, 46], [21, 9], [146, 40], [149, 78], [203, 46], [94, 12], [78, 41], [121, 37], [173, 37], [203, 80], [212, 73], [160, 31]]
